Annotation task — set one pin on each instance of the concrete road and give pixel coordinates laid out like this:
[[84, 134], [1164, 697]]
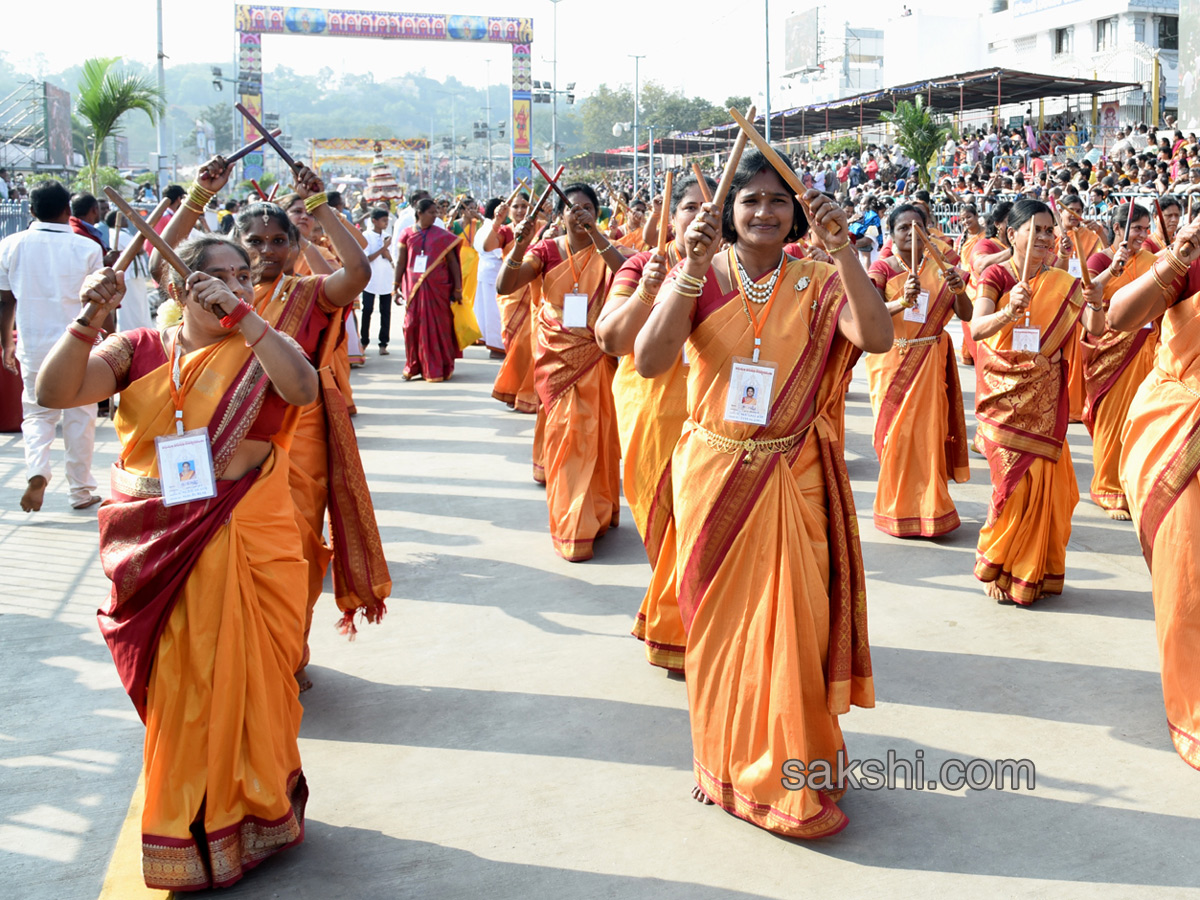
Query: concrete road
[[501, 736]]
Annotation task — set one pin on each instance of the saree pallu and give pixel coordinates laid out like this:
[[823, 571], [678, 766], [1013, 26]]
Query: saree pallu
[[514, 382], [1021, 407], [325, 471], [920, 426], [1073, 351], [205, 625], [1160, 474], [771, 584], [1114, 366], [573, 376], [340, 360], [468, 258]]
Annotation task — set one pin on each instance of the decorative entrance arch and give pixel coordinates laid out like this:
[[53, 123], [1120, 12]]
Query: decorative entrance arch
[[254, 21]]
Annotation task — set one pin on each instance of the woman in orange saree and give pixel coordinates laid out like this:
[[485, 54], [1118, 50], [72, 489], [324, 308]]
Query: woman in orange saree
[[325, 470], [572, 374], [1076, 244], [1172, 212], [986, 250], [1024, 315], [514, 381], [1115, 363], [769, 568], [206, 615], [920, 427], [650, 417], [1160, 470]]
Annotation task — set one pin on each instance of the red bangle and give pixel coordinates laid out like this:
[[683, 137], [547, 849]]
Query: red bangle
[[266, 328], [240, 312], [76, 333]]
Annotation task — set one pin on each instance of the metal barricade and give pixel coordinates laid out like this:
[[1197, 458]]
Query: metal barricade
[[14, 217]]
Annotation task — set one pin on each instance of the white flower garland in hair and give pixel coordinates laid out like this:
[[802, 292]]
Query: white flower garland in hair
[[170, 313]]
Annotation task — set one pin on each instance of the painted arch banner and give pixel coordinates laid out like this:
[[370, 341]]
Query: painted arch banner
[[254, 20]]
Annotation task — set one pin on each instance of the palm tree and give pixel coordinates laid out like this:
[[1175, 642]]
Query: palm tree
[[106, 94], [919, 133]]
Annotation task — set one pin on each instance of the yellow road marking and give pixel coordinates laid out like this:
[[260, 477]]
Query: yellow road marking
[[124, 881]]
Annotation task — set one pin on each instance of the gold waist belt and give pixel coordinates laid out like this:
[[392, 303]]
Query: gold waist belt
[[904, 343], [723, 444]]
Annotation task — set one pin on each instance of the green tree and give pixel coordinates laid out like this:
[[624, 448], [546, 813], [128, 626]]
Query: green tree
[[220, 117], [106, 176], [105, 95], [919, 133]]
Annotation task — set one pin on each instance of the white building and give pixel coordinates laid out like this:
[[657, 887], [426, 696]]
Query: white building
[[1119, 40], [849, 61]]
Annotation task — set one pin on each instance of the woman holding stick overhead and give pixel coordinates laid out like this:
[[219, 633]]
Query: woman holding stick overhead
[[1025, 312], [325, 470], [1160, 462], [770, 579], [206, 617], [1115, 363], [650, 417], [428, 280], [572, 374], [920, 426]]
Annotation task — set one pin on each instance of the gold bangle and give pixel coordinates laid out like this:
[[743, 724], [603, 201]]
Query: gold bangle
[[642, 297], [1175, 262], [691, 293], [192, 206], [513, 263], [686, 279], [201, 193], [839, 248], [315, 201]]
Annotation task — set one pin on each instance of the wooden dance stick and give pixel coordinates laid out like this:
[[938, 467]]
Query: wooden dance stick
[[663, 225], [1162, 222], [1084, 274], [1028, 253], [250, 147], [130, 253], [516, 190], [261, 193], [553, 181], [735, 157], [533, 210], [1117, 270], [274, 191], [433, 265], [788, 176], [938, 259], [700, 180], [154, 238], [283, 154]]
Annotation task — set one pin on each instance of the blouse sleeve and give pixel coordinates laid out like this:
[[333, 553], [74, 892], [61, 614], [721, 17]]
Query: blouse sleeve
[[880, 273], [117, 351]]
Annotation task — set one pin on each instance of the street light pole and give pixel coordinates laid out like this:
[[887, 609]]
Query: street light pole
[[554, 93], [636, 102], [487, 88], [767, 30], [162, 126]]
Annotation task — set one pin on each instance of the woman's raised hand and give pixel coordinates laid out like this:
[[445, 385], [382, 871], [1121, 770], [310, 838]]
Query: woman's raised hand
[[212, 294], [703, 236]]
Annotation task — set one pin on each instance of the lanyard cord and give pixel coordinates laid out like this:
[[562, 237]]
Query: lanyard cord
[[176, 379], [756, 322], [571, 259]]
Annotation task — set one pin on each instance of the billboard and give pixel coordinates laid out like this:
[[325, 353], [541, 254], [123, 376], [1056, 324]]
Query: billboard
[[57, 126], [800, 48], [1189, 49]]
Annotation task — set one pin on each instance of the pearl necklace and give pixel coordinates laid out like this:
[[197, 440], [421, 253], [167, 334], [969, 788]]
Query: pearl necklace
[[759, 293]]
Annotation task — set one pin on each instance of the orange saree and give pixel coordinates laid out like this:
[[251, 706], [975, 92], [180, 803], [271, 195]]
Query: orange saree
[[650, 417], [205, 621], [514, 381], [771, 584], [1114, 367], [1160, 474], [920, 427], [1072, 351], [339, 360], [574, 382], [1021, 407], [326, 471]]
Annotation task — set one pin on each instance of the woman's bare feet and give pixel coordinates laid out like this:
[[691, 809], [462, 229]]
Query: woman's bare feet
[[997, 593], [1121, 515], [35, 493], [700, 797], [302, 679]]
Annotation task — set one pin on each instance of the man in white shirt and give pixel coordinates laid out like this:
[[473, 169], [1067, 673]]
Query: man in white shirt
[[41, 271], [380, 285]]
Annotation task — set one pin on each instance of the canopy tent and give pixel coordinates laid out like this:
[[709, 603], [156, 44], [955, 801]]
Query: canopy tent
[[950, 94]]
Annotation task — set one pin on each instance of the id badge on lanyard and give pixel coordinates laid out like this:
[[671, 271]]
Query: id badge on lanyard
[[750, 387], [918, 312], [1074, 267], [575, 311], [420, 263], [185, 463], [1026, 339]]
